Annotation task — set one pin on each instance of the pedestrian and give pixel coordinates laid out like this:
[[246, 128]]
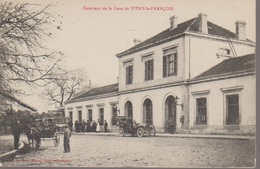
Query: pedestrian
[[77, 126], [171, 125], [94, 126], [91, 125], [88, 126], [70, 125], [80, 125], [182, 121], [105, 126], [98, 126], [83, 126], [66, 143], [16, 131]]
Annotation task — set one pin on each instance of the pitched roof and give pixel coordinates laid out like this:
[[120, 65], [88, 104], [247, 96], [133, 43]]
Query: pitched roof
[[98, 91], [11, 98], [191, 25], [245, 63]]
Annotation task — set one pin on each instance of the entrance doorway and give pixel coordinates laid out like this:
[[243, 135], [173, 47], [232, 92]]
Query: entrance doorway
[[170, 112], [148, 112], [129, 110]]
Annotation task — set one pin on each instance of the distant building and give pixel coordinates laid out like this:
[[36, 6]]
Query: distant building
[[196, 69]]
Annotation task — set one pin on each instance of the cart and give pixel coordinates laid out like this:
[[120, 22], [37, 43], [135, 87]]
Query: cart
[[47, 128]]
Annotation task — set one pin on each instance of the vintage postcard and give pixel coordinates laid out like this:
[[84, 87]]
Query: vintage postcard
[[134, 83]]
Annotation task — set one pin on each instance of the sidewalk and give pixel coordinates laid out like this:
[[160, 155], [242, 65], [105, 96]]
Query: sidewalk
[[9, 155], [177, 135]]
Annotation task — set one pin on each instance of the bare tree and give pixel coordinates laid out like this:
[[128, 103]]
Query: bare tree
[[64, 85], [23, 57]]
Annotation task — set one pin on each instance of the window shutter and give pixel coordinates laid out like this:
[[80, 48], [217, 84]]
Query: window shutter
[[130, 74], [151, 69], [127, 74], [146, 71], [164, 66], [175, 63]]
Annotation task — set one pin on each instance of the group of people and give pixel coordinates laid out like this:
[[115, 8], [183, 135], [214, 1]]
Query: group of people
[[89, 126]]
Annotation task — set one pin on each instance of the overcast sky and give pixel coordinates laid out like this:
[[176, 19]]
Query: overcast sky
[[90, 39]]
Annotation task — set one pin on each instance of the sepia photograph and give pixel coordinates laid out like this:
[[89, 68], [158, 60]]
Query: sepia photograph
[[128, 83]]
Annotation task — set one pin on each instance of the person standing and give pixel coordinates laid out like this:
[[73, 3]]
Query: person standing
[[70, 125], [91, 126], [182, 121], [94, 126], [66, 141], [105, 126], [16, 131], [98, 126], [83, 126], [77, 126], [171, 125]]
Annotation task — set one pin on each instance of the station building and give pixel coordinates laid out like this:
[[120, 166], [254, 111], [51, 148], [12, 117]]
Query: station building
[[195, 69]]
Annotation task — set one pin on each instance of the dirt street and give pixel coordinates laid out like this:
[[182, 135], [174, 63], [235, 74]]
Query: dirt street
[[112, 151]]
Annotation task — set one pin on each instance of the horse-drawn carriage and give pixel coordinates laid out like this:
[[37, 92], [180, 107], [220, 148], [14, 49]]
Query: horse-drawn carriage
[[129, 126], [45, 128]]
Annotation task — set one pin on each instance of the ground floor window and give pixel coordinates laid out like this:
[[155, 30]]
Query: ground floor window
[[232, 102], [71, 115], [114, 114], [80, 115], [101, 116], [90, 115], [201, 116]]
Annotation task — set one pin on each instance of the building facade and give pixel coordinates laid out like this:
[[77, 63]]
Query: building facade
[[161, 77]]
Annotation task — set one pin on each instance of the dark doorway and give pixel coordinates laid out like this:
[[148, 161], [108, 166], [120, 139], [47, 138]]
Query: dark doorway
[[129, 109], [170, 111], [148, 112]]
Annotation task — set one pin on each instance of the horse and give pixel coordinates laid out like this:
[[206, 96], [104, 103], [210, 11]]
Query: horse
[[33, 136]]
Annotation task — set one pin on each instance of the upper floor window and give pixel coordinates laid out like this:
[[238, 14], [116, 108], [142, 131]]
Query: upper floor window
[[149, 70], [170, 62], [129, 74]]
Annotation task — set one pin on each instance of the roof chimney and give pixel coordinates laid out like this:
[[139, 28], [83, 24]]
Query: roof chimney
[[203, 23], [137, 41], [173, 22], [241, 30]]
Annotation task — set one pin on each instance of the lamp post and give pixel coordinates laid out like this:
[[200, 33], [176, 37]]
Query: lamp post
[[178, 104]]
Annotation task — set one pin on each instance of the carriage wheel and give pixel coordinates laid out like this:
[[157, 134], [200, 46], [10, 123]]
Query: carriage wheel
[[36, 143], [121, 132], [56, 139], [152, 132], [140, 132]]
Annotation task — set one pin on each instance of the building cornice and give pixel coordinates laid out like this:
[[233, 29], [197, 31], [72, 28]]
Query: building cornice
[[215, 37], [183, 34], [226, 76], [178, 83], [92, 98]]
